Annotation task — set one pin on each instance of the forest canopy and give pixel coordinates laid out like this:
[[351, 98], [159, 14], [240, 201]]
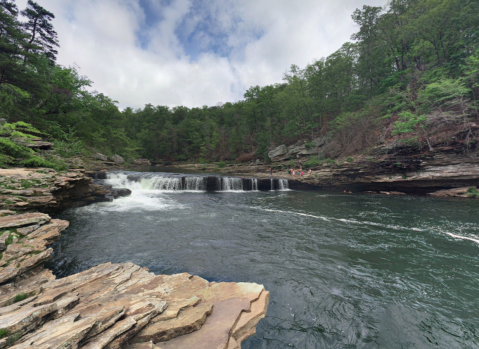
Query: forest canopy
[[416, 61]]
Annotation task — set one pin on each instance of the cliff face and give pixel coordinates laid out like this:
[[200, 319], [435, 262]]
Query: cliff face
[[48, 190], [112, 305], [409, 174]]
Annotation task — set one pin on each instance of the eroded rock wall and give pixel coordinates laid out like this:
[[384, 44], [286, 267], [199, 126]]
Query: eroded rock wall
[[48, 190]]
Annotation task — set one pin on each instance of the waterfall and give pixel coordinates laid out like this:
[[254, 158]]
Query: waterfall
[[176, 182], [283, 184], [195, 183], [162, 183], [155, 181], [231, 184], [254, 184]]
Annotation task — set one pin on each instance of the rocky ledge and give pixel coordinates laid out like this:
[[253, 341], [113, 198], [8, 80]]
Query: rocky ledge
[[48, 190], [112, 305]]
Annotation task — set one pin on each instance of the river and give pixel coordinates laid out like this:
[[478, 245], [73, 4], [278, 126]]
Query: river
[[344, 270]]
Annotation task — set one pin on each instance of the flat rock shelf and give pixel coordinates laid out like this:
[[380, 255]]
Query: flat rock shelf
[[112, 305]]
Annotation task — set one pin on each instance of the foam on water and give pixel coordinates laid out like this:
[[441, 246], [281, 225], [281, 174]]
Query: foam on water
[[387, 226]]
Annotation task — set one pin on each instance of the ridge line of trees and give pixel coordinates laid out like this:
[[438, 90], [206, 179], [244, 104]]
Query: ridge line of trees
[[415, 62]]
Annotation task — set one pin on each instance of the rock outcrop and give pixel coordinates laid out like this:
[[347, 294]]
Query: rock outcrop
[[48, 190], [113, 305], [298, 150], [34, 143]]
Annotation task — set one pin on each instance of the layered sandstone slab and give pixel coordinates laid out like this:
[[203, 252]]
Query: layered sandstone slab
[[48, 190], [113, 305]]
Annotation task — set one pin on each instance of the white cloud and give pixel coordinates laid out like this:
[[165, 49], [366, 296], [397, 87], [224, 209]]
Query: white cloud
[[261, 39]]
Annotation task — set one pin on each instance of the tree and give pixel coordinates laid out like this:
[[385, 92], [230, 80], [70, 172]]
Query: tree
[[43, 38]]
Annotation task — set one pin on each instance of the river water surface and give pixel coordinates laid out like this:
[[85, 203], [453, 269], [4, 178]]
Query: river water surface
[[344, 271]]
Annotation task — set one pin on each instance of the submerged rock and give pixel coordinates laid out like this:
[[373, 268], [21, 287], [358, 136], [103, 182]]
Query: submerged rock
[[463, 192], [114, 305]]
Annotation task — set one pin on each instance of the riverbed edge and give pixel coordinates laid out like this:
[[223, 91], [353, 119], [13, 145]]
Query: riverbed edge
[[26, 235]]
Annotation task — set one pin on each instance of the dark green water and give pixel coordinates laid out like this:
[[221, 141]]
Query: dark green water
[[344, 271]]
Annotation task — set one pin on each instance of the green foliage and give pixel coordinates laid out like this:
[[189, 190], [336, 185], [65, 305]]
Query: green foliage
[[36, 161], [13, 339], [350, 159], [309, 145], [10, 148], [416, 59], [313, 162], [473, 193], [21, 296], [221, 164], [9, 240], [408, 122], [4, 333]]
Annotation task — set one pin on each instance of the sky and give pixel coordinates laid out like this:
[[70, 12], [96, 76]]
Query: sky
[[195, 52]]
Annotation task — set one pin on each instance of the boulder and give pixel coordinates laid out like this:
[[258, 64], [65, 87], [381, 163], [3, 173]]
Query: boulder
[[278, 151], [117, 159], [100, 156], [142, 162], [116, 193]]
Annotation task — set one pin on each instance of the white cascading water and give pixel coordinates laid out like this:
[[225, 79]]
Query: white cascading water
[[254, 184], [283, 184], [231, 184], [272, 184], [156, 182], [145, 193], [195, 183]]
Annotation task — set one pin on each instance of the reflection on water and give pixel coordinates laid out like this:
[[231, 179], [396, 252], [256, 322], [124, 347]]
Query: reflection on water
[[344, 271]]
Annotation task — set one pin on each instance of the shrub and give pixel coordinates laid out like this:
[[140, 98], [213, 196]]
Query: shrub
[[36, 161], [221, 164], [473, 193], [245, 157], [350, 159], [69, 148], [313, 162], [8, 147], [309, 145], [181, 157]]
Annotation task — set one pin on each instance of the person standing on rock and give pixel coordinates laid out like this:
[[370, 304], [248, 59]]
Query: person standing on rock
[[271, 171]]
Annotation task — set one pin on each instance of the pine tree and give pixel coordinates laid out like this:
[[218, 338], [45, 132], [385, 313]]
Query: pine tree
[[12, 40], [43, 38]]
